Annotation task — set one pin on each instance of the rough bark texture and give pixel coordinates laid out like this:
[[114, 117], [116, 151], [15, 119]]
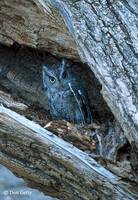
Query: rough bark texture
[[103, 35], [106, 36], [26, 23], [54, 166]]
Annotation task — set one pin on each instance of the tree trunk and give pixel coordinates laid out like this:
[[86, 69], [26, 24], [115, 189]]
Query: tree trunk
[[53, 165], [101, 34], [106, 36]]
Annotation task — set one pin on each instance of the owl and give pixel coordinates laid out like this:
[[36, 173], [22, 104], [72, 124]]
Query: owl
[[67, 96]]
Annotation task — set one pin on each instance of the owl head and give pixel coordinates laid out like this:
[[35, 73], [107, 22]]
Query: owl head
[[57, 75]]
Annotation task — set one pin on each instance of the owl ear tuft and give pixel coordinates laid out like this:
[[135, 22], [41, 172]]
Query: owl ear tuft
[[44, 72], [63, 61], [63, 68], [65, 64], [44, 68]]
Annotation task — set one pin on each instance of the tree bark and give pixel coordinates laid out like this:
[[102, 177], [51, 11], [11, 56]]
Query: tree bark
[[27, 24], [106, 37], [104, 34], [53, 165]]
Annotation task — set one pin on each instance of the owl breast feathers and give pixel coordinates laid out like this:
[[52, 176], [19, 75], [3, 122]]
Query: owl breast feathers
[[67, 97]]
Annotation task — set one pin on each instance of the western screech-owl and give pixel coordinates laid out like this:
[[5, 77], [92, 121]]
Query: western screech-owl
[[67, 97]]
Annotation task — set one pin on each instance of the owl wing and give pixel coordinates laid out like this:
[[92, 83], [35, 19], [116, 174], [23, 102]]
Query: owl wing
[[81, 98]]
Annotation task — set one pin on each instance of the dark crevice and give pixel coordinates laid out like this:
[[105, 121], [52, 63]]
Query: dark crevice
[[124, 152], [25, 80]]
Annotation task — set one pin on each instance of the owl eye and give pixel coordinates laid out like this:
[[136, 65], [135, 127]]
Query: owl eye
[[52, 79]]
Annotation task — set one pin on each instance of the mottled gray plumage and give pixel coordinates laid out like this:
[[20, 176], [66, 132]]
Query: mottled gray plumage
[[67, 96]]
